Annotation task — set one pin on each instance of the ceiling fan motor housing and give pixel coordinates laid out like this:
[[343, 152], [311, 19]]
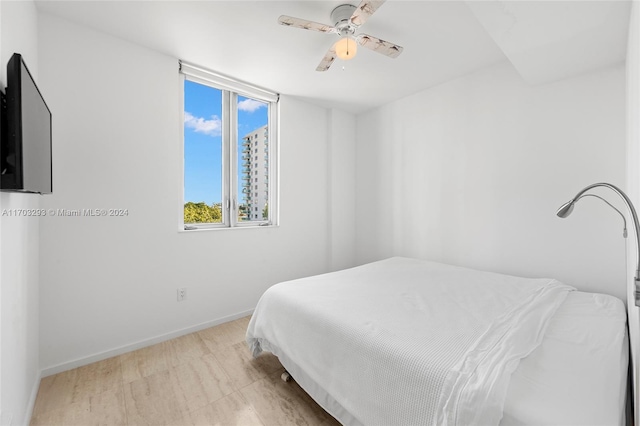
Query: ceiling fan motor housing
[[341, 17]]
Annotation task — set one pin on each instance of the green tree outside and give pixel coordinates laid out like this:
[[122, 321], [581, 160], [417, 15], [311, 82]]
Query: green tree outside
[[202, 213]]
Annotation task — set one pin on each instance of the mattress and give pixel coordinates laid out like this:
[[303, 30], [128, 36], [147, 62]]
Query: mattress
[[405, 341]]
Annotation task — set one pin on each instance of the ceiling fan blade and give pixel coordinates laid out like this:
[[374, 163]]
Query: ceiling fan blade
[[290, 21], [378, 45], [328, 59], [365, 9]]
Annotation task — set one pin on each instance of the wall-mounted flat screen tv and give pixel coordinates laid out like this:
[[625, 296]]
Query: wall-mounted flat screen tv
[[25, 149]]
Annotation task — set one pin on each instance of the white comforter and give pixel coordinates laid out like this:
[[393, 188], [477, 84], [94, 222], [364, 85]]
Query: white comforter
[[405, 341]]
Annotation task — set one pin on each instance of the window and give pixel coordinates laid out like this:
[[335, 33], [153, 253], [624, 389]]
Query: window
[[221, 119]]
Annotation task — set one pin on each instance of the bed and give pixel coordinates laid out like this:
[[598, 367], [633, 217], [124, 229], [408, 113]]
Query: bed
[[407, 341]]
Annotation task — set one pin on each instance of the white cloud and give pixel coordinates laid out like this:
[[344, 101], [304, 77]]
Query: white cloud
[[211, 127], [250, 105]]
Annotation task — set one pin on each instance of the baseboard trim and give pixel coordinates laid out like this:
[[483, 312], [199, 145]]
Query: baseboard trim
[[79, 362], [32, 399]]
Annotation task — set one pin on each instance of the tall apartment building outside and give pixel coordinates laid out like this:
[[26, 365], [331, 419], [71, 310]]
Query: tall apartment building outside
[[255, 172]]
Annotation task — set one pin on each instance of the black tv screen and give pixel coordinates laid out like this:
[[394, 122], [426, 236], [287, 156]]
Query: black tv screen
[[25, 151]]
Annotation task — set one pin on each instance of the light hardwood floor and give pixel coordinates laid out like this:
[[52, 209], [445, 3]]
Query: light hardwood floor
[[204, 378]]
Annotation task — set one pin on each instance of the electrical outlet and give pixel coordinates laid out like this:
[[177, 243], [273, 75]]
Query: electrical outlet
[[182, 294]]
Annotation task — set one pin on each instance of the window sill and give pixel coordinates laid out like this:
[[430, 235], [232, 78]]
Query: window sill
[[226, 228]]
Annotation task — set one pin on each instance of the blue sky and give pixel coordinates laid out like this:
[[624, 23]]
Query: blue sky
[[203, 141]]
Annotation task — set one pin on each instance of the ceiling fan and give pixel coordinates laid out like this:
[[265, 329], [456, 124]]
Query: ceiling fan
[[347, 19]]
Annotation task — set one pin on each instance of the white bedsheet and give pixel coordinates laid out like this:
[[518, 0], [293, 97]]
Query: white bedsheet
[[578, 375], [405, 341]]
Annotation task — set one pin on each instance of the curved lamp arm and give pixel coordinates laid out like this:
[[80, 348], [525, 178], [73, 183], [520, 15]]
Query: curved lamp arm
[[566, 209], [624, 219]]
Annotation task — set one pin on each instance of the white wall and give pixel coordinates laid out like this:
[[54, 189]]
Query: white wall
[[19, 248], [471, 173], [109, 284], [342, 209]]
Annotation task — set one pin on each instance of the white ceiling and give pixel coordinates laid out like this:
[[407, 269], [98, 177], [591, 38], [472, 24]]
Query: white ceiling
[[556, 39], [442, 40]]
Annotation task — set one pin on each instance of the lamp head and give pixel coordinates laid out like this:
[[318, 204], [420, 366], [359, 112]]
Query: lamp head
[[566, 209]]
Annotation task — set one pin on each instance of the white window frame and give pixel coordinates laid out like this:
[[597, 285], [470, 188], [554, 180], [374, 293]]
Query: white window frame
[[231, 88]]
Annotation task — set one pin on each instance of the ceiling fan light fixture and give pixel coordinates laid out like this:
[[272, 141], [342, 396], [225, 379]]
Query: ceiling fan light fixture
[[346, 48], [346, 19]]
